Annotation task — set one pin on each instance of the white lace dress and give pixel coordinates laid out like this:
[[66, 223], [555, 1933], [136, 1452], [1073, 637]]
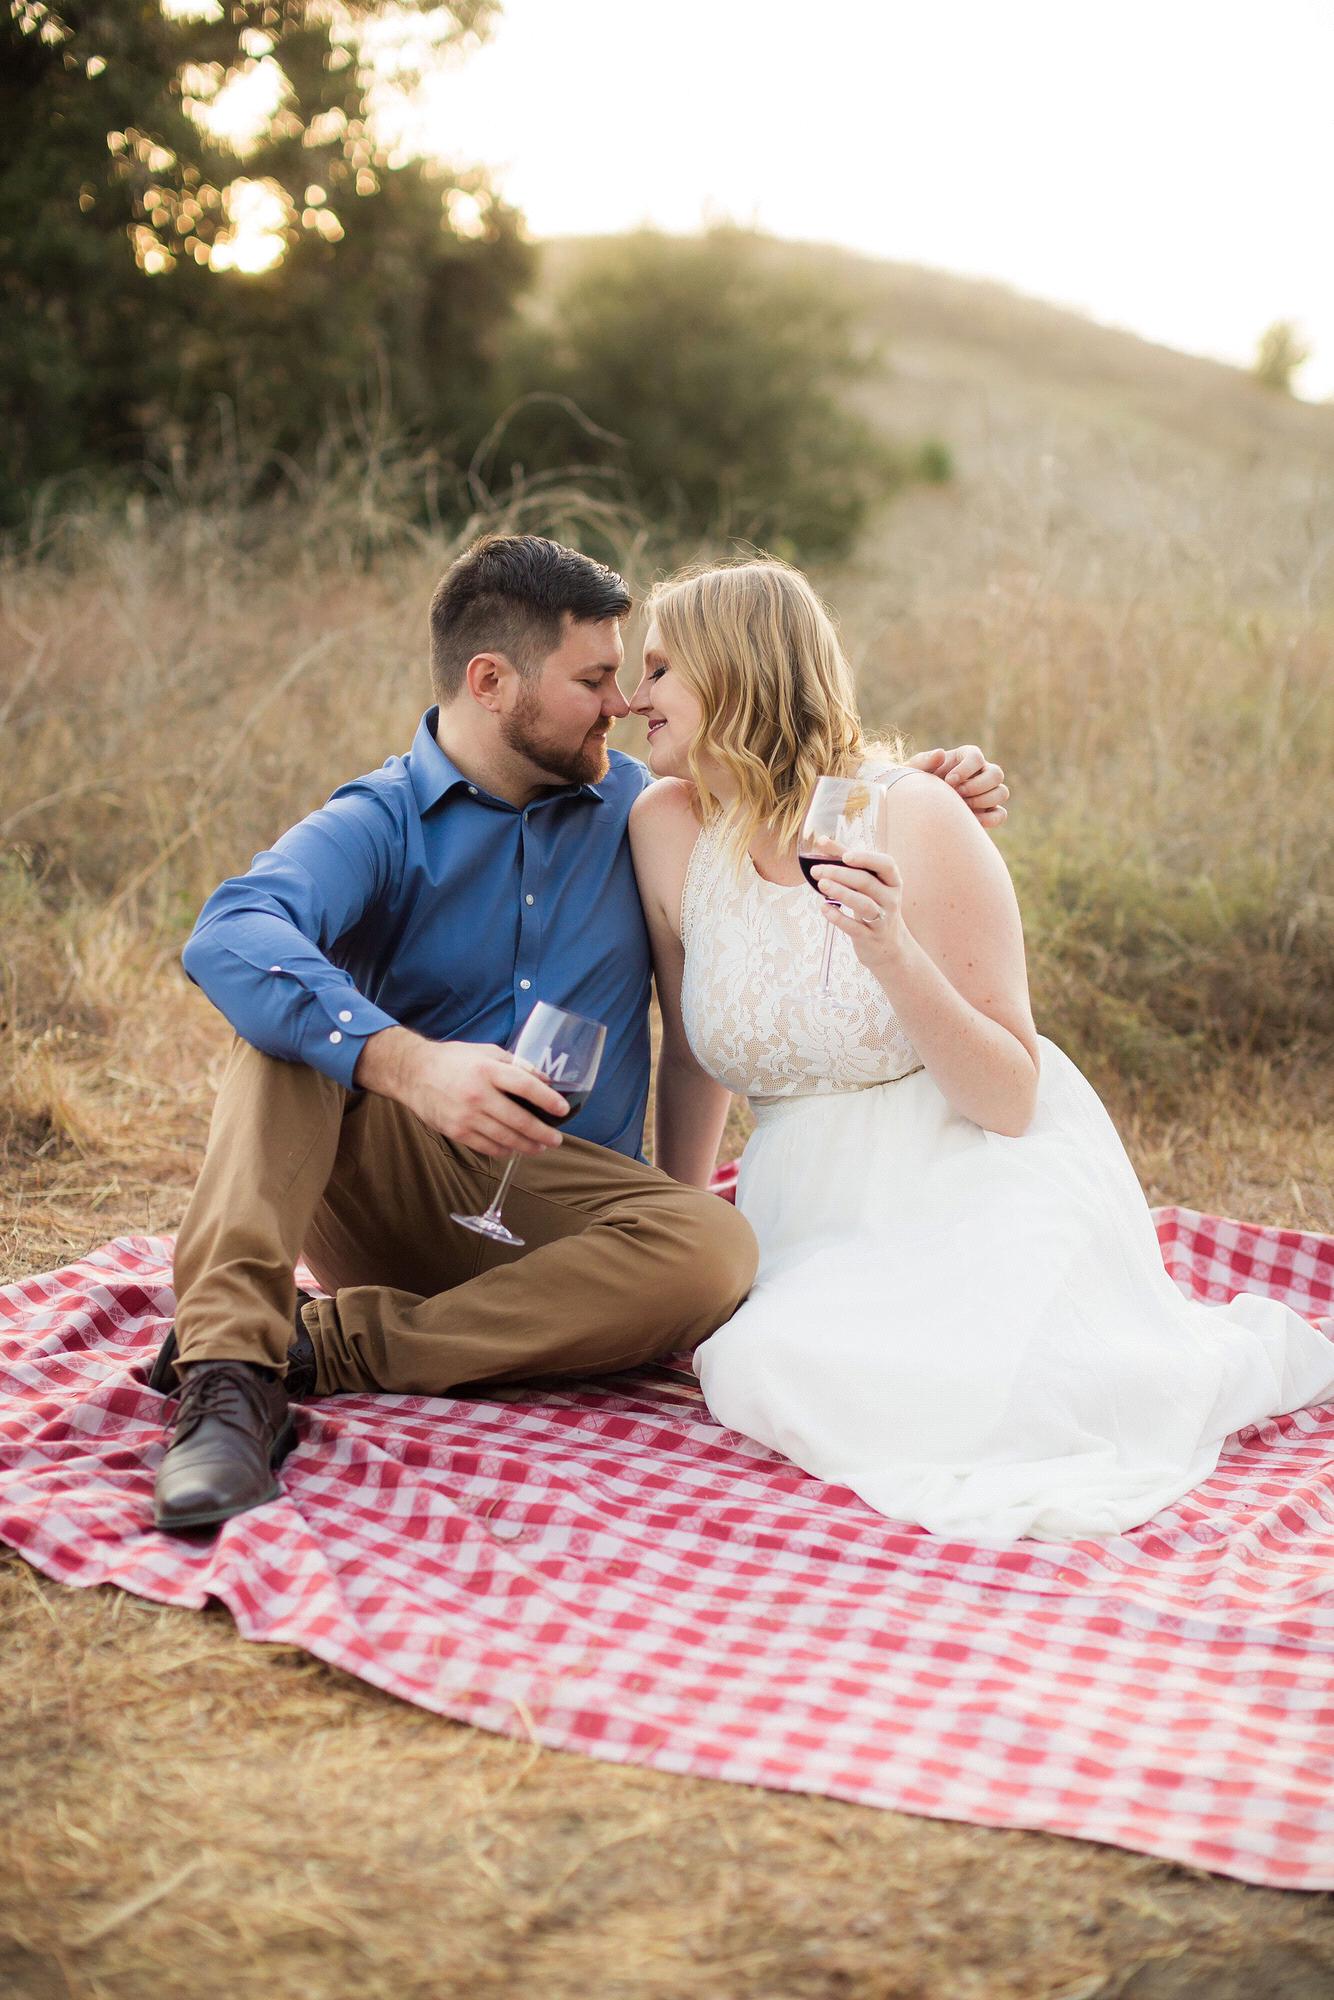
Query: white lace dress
[[974, 1333]]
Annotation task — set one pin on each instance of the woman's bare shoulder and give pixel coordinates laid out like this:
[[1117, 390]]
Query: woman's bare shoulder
[[664, 808], [930, 829], [920, 798], [664, 827]]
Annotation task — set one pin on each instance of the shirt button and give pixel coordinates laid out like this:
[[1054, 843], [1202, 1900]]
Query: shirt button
[[345, 1015], [525, 984], [335, 1036], [472, 791], [275, 968], [527, 899]]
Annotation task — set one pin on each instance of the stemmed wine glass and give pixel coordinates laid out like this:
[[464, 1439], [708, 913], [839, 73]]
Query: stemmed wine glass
[[564, 1049], [843, 813]]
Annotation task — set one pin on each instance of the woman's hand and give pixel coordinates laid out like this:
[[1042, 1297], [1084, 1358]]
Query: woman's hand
[[868, 903]]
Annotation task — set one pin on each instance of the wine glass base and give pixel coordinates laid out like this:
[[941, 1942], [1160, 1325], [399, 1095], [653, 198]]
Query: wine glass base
[[487, 1225]]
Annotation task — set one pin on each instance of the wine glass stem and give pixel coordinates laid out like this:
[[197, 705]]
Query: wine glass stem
[[830, 937], [493, 1212]]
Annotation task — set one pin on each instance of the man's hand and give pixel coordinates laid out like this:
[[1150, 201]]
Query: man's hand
[[471, 1092], [979, 784]]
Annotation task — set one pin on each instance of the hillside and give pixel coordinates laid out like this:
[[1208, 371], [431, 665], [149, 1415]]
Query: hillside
[[1099, 458]]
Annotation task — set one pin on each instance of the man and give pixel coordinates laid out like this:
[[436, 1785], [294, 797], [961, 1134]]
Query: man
[[373, 964]]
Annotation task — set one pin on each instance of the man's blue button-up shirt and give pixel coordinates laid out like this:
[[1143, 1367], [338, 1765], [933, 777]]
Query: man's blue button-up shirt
[[415, 899]]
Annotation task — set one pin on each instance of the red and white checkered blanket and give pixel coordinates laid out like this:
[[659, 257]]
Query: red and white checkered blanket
[[604, 1569]]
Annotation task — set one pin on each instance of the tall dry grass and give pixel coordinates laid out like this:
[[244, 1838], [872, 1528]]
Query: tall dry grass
[[187, 679], [1126, 594], [181, 683], [1129, 595]]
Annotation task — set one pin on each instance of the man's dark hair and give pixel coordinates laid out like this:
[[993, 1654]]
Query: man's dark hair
[[509, 594]]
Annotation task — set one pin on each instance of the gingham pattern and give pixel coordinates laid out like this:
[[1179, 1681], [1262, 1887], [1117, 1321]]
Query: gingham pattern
[[605, 1570]]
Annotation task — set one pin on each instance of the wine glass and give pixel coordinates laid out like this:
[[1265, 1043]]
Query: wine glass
[[843, 813], [564, 1049]]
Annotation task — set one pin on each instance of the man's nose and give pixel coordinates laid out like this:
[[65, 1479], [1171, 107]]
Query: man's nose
[[615, 703], [637, 703]]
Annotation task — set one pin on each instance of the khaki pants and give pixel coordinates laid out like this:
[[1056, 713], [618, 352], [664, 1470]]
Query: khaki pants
[[620, 1263]]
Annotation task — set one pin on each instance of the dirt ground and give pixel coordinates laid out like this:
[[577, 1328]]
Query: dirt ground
[[192, 1815], [184, 1813]]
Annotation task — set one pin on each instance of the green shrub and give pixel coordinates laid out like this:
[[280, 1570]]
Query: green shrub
[[1138, 971], [934, 462], [712, 378], [1279, 354]]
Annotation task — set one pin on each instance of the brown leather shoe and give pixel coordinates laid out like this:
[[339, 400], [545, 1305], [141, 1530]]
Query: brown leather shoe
[[299, 1381], [232, 1427]]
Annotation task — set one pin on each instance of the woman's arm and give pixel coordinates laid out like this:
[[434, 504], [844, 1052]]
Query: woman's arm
[[690, 1107], [938, 924]]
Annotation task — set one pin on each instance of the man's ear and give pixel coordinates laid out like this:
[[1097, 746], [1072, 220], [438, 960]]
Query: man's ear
[[488, 678]]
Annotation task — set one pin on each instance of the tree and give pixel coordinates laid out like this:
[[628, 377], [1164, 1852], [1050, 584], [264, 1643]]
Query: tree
[[155, 257], [713, 375], [1280, 352]]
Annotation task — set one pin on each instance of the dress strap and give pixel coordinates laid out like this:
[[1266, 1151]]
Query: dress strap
[[696, 877], [888, 775]]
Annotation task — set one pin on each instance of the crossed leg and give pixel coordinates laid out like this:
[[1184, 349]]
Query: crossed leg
[[620, 1263]]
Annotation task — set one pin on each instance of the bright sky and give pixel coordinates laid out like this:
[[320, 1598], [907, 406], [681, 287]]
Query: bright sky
[[1163, 165]]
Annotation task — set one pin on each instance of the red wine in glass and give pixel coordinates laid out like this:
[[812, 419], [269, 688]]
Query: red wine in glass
[[564, 1049], [575, 1097], [843, 813], [808, 863]]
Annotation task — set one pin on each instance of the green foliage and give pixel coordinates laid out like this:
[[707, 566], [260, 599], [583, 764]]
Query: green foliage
[[706, 383], [122, 333], [934, 463], [1279, 353], [1140, 971], [714, 379]]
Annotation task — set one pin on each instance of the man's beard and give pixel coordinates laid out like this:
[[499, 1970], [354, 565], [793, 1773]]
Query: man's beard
[[523, 733]]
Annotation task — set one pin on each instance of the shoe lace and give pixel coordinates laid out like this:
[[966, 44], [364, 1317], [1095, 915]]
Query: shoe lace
[[232, 1394]]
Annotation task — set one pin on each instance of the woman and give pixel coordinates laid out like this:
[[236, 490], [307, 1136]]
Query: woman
[[961, 1312]]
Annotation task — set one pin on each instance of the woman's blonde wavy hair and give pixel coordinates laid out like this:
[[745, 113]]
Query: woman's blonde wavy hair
[[758, 650]]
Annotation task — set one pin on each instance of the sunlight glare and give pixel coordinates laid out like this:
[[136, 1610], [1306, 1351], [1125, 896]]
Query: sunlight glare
[[1084, 154], [259, 214], [240, 111], [467, 217], [402, 52]]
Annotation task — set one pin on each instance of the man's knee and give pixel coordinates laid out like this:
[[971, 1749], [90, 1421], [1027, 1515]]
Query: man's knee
[[250, 1074], [734, 1250], [716, 1267]]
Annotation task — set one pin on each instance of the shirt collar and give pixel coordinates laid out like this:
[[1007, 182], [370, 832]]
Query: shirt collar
[[434, 773]]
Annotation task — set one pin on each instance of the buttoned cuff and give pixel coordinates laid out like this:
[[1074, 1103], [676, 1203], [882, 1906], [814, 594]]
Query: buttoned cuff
[[336, 1025]]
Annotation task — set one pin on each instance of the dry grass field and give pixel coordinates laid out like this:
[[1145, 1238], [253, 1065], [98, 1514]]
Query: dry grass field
[[1127, 594]]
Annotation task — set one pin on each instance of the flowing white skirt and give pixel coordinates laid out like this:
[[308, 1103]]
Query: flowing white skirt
[[977, 1334]]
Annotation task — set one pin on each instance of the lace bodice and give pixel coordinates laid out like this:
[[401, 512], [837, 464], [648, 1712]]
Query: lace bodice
[[753, 1015]]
